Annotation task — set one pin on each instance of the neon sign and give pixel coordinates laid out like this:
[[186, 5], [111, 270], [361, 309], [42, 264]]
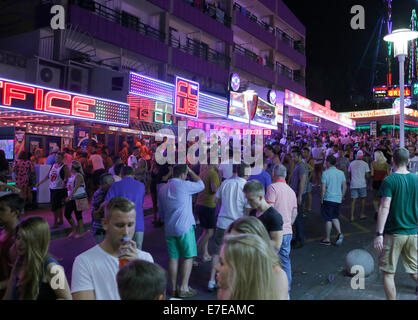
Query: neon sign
[[385, 92], [256, 132], [186, 98], [28, 97], [294, 100], [150, 111], [379, 113]]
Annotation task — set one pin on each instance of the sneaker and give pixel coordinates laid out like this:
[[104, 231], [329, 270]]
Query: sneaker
[[339, 240], [211, 286], [186, 294], [325, 243]]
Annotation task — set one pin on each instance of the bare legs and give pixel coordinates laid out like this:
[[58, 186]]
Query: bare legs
[[328, 228], [203, 241], [353, 208], [186, 270]]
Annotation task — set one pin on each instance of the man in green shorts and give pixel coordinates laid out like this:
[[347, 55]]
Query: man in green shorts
[[396, 230], [175, 209]]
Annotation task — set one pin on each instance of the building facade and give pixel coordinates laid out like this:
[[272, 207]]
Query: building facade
[[205, 41]]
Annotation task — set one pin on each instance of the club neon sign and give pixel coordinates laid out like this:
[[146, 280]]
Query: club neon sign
[[28, 97], [186, 98]]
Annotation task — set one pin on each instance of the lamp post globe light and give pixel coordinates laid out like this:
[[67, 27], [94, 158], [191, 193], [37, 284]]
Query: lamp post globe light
[[400, 39]]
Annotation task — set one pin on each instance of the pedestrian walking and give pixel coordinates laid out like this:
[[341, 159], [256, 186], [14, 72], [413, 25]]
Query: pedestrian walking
[[396, 229], [333, 191]]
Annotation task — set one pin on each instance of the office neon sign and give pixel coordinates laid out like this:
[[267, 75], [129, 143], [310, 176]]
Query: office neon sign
[[21, 96]]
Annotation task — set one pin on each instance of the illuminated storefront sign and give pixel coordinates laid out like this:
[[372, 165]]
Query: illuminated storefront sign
[[294, 100], [146, 87], [379, 113], [186, 98], [150, 110], [248, 104], [27, 97], [369, 113], [256, 132], [384, 92], [235, 82]]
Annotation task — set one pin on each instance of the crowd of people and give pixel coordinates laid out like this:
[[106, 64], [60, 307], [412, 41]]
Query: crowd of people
[[255, 216]]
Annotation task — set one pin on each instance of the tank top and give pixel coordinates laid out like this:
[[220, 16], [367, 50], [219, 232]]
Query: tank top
[[55, 180], [81, 191]]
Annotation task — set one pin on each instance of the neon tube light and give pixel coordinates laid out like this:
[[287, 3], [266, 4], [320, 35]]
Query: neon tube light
[[305, 123]]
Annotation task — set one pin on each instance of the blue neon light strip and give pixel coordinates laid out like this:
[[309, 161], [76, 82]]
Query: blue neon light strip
[[305, 123], [151, 88], [214, 105]]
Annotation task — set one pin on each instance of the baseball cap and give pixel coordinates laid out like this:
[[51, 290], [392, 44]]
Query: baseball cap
[[360, 153], [55, 149]]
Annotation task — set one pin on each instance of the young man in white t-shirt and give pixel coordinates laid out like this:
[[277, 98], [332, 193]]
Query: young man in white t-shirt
[[94, 271], [359, 171]]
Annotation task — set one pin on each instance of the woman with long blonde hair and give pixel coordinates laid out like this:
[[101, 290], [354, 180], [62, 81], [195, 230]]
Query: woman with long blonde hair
[[380, 169], [246, 270], [252, 225], [34, 275]]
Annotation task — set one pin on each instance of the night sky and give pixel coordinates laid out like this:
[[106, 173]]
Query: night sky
[[334, 50]]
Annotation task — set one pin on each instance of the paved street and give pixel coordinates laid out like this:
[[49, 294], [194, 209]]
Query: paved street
[[317, 270]]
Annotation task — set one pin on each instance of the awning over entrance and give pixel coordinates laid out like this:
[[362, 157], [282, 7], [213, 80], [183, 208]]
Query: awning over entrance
[[303, 110]]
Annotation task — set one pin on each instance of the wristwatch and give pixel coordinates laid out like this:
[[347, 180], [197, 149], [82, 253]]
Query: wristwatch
[[378, 234]]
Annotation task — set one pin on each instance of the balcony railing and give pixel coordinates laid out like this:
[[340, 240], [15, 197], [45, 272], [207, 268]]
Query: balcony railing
[[253, 18], [297, 45], [211, 11], [122, 18], [200, 50], [253, 56], [293, 75]]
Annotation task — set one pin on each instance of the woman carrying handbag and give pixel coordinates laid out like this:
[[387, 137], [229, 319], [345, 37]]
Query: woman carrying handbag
[[77, 200]]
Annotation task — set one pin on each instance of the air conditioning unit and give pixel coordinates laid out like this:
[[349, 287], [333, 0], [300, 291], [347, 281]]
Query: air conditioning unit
[[109, 84], [77, 79], [49, 74]]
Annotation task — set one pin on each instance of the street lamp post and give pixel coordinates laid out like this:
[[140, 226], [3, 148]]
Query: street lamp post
[[400, 38]]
